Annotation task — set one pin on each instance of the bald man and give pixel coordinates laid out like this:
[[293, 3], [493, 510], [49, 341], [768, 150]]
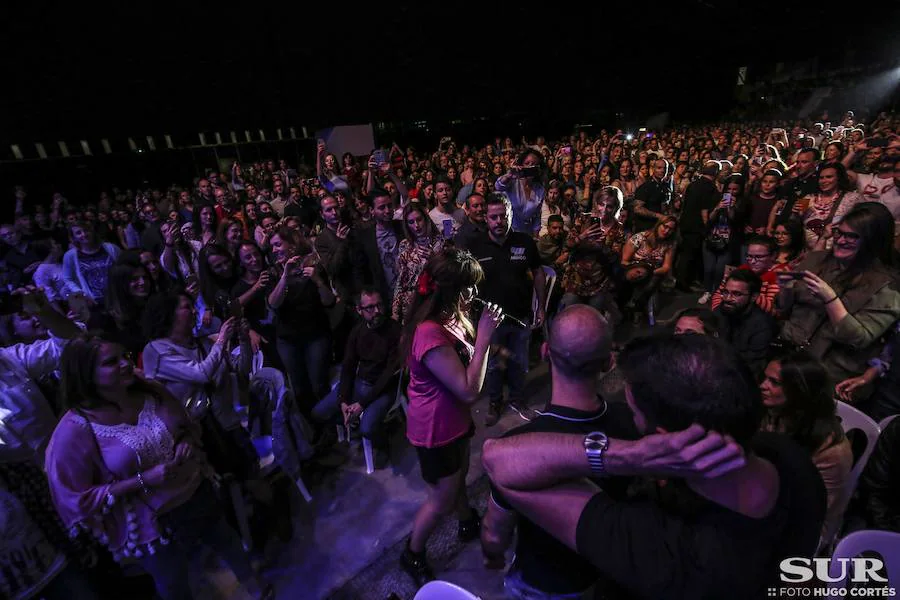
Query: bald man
[[578, 350]]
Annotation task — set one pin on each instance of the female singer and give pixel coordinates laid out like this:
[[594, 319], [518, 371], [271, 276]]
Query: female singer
[[447, 363]]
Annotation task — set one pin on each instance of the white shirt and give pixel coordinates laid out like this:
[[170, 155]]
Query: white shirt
[[26, 420], [875, 189], [49, 276]]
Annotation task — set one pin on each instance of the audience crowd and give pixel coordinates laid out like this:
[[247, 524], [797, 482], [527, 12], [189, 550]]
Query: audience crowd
[[171, 357]]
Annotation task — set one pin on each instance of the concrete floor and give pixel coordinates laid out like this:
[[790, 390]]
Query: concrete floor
[[347, 539]]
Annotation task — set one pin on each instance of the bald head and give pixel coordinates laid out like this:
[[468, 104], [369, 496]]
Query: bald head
[[580, 342]]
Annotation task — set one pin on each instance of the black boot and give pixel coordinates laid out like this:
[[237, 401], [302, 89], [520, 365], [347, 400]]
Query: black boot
[[416, 566], [470, 529], [495, 409]]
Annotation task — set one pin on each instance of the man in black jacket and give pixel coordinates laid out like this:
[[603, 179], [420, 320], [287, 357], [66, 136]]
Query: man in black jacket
[[474, 225], [651, 200], [375, 251], [745, 325], [700, 198]]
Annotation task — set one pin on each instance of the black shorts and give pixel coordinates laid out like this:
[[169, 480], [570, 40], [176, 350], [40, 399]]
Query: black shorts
[[443, 461]]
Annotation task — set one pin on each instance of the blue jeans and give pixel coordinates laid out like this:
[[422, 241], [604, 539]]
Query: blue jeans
[[371, 422], [197, 521], [714, 268], [306, 362], [515, 339], [517, 589]]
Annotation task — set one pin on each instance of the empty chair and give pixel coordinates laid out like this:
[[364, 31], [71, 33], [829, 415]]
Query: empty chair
[[853, 419], [443, 590], [885, 543]]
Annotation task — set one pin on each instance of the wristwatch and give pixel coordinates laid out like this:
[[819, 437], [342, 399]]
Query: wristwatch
[[595, 445]]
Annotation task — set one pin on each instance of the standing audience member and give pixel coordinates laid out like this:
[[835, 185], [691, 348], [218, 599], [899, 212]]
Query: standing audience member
[[125, 466], [421, 241], [522, 185], [376, 251], [512, 276]]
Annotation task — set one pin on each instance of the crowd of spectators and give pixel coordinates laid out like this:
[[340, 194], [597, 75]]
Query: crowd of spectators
[[151, 337]]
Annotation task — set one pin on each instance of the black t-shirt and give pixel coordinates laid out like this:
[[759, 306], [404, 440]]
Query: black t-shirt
[[655, 196], [700, 195], [672, 543], [545, 563], [507, 272], [301, 314]]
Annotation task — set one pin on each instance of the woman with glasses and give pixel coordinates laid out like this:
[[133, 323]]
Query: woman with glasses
[[790, 245], [843, 300]]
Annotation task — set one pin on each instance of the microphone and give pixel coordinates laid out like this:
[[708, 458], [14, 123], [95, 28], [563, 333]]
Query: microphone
[[505, 314]]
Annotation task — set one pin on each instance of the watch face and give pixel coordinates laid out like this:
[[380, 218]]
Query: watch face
[[596, 441]]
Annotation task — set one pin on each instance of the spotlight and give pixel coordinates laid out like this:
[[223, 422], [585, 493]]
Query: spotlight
[[629, 137]]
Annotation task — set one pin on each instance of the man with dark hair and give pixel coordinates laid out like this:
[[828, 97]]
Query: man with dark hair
[[368, 385], [445, 216], [734, 503], [375, 251], [333, 244], [696, 319], [803, 182], [552, 245], [745, 325], [577, 349], [512, 275], [652, 199], [474, 225], [760, 260]]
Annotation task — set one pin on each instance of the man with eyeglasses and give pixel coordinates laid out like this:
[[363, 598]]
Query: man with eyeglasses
[[368, 384], [744, 324], [761, 253]]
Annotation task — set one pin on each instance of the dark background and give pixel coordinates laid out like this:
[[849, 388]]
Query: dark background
[[75, 72]]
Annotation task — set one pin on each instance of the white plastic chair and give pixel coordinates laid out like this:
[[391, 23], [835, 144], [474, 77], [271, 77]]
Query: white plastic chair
[[443, 590], [400, 400], [852, 418], [549, 284], [882, 425], [885, 543]]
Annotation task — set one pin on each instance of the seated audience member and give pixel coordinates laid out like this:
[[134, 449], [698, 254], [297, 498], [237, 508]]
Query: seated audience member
[[86, 265], [578, 347], [595, 243], [882, 377], [647, 258], [19, 255], [368, 387], [698, 320], [106, 484], [29, 417], [49, 274], [798, 400], [126, 296], [744, 325], [552, 245], [199, 371], [735, 502], [879, 486], [854, 286], [760, 260], [789, 245]]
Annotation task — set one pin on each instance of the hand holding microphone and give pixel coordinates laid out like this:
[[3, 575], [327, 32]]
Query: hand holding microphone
[[491, 317]]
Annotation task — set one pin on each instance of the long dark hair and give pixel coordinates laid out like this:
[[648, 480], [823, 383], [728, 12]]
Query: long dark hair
[[875, 226], [808, 414], [78, 390], [120, 304], [449, 272], [794, 229], [430, 229], [210, 283], [159, 314], [195, 216]]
